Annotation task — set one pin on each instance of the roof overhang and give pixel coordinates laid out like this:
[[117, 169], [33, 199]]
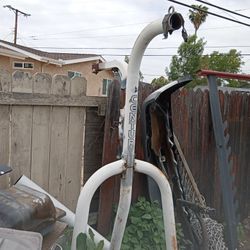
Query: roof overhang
[[87, 59], [31, 55], [11, 53], [51, 61], [24, 54]]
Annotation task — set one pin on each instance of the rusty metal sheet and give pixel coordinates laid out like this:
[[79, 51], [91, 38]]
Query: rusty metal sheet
[[26, 209]]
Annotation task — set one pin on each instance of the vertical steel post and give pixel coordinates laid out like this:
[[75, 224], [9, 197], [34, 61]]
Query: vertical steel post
[[224, 166]]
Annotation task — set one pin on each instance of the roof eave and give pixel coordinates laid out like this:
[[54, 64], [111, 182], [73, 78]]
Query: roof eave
[[87, 59], [52, 61], [12, 54], [59, 62], [32, 55]]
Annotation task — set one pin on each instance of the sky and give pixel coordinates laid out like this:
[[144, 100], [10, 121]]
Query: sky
[[110, 28]]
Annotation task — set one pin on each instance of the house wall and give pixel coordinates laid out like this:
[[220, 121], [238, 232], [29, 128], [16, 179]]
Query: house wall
[[5, 63], [94, 87]]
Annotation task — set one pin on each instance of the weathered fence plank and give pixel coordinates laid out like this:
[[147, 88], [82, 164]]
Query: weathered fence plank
[[21, 120], [58, 151], [73, 173], [78, 86], [60, 85], [50, 100], [93, 148], [59, 139], [93, 142], [42, 83], [21, 82], [41, 134], [21, 128], [109, 190], [41, 146], [5, 81], [4, 145], [74, 157]]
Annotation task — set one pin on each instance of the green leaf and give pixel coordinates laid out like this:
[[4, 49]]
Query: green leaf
[[140, 234], [145, 229], [135, 220], [100, 245], [90, 244], [81, 241], [91, 234], [147, 217]]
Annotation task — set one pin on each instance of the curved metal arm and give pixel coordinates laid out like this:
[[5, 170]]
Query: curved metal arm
[[83, 204], [131, 103], [155, 28], [149, 32]]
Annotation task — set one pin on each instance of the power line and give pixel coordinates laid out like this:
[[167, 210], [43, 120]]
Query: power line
[[218, 7], [130, 48], [97, 36], [79, 37], [146, 55], [242, 9], [160, 55], [16, 11], [210, 13], [90, 29], [33, 37]]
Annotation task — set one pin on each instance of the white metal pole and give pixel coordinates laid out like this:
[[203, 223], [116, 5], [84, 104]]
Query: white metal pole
[[131, 102], [148, 33]]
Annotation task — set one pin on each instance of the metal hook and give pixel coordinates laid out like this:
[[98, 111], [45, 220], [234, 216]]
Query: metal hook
[[171, 10]]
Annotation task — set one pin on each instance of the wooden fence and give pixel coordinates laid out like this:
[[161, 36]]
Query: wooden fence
[[42, 129], [193, 126], [194, 129]]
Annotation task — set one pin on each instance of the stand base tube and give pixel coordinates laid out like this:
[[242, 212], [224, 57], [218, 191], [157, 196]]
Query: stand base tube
[[166, 198], [84, 200]]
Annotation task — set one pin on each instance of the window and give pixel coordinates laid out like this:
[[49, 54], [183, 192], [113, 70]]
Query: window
[[105, 86], [72, 74], [23, 65], [18, 65], [28, 65]]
